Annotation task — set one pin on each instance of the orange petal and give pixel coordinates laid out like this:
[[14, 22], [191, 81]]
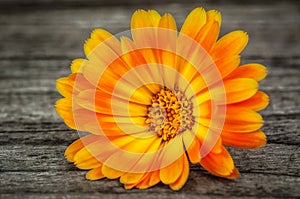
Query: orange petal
[[150, 179], [178, 184], [144, 183], [231, 44], [209, 139], [192, 146], [154, 178], [220, 164], [238, 119], [242, 120], [229, 91], [227, 64], [253, 71], [250, 140], [237, 90], [131, 54], [95, 174], [257, 102], [208, 35], [234, 174]]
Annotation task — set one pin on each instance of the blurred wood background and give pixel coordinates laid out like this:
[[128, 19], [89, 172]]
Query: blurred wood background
[[38, 40]]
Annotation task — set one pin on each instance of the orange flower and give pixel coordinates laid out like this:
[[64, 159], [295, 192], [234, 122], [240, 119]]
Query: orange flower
[[161, 99]]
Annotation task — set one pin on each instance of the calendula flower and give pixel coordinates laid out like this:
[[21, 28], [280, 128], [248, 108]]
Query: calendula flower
[[156, 99]]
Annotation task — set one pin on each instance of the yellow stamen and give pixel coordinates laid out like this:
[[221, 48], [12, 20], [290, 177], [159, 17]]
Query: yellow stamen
[[169, 114]]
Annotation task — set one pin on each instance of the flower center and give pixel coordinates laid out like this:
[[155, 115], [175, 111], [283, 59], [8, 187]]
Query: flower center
[[169, 114]]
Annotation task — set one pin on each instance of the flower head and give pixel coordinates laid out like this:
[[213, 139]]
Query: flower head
[[156, 99]]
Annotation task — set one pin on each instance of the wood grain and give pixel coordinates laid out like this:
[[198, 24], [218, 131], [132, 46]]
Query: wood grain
[[38, 40]]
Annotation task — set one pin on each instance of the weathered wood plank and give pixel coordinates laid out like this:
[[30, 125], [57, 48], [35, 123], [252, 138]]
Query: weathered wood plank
[[120, 2], [198, 184], [61, 33], [127, 195]]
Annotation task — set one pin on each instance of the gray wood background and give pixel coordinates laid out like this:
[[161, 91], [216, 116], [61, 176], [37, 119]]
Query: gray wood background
[[38, 40]]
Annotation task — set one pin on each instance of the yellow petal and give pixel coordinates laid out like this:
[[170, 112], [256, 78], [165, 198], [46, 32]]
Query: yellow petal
[[131, 178], [214, 15], [86, 160], [194, 22], [167, 21], [178, 184], [171, 173], [100, 36], [137, 155], [144, 30], [111, 173], [76, 65], [64, 87], [95, 174], [142, 19], [64, 110], [76, 146]]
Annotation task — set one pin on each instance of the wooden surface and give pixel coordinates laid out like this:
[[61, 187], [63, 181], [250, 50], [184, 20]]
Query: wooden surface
[[37, 43]]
